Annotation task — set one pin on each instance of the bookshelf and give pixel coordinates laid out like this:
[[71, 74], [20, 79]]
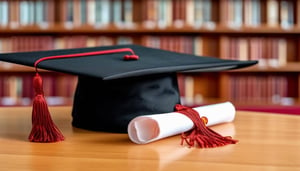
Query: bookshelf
[[267, 31]]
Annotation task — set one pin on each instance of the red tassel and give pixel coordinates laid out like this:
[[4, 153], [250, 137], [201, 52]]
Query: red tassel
[[43, 127], [203, 136]]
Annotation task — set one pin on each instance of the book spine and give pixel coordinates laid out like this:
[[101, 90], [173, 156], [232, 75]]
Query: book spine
[[298, 13], [14, 10], [4, 11], [272, 13]]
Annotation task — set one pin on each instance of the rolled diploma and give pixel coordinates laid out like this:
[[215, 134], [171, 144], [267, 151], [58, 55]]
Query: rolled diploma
[[148, 128]]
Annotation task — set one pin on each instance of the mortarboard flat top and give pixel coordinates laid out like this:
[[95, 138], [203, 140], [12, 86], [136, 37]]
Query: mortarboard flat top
[[111, 91], [112, 66]]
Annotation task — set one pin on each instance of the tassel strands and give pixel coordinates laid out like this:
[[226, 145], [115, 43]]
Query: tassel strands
[[43, 127], [201, 135]]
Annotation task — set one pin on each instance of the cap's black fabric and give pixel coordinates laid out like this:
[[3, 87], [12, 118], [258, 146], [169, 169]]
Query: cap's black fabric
[[112, 91], [110, 105]]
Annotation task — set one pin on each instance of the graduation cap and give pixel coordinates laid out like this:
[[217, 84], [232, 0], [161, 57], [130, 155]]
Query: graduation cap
[[115, 84]]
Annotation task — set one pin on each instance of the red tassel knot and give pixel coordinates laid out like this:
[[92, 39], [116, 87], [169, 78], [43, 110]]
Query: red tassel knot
[[130, 57], [201, 135]]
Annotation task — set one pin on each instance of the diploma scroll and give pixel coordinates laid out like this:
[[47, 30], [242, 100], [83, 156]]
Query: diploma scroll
[[149, 128]]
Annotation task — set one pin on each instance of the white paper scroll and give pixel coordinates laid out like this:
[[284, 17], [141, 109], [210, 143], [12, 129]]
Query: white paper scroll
[[149, 128]]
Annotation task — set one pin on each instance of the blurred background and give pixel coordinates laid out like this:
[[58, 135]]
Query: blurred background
[[267, 31]]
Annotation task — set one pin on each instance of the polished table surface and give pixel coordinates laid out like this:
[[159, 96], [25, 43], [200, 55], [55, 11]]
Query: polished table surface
[[266, 142]]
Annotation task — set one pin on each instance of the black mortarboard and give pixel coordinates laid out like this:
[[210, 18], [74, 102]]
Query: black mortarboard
[[113, 89]]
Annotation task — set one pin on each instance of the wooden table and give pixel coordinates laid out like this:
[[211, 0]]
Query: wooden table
[[266, 142]]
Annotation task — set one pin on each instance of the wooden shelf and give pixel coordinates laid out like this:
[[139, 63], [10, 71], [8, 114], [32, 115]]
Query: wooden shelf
[[9, 67], [140, 29], [289, 67]]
